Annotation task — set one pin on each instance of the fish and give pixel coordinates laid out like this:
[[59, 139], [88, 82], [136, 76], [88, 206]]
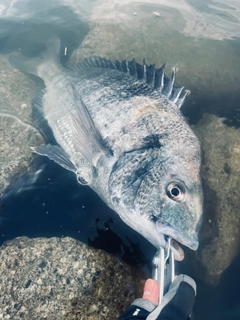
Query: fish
[[118, 126]]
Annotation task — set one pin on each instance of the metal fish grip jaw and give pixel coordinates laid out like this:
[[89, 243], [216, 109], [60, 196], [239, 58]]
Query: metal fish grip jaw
[[163, 269]]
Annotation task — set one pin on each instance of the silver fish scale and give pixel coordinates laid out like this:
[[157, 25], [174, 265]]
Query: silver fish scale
[[114, 98], [131, 183]]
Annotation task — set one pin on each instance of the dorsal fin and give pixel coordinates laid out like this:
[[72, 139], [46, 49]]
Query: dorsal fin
[[152, 76]]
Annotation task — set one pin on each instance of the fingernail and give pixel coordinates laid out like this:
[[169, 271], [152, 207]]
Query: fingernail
[[151, 291]]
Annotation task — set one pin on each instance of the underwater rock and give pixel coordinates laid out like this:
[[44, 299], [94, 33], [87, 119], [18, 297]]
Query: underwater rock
[[16, 135], [117, 34], [220, 237], [61, 278]]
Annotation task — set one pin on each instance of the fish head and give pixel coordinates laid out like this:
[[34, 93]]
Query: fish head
[[160, 195], [176, 212]]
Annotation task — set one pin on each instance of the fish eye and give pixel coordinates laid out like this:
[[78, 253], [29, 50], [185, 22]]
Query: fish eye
[[83, 179], [175, 191]]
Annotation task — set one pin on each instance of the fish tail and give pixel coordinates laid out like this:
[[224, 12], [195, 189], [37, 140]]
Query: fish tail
[[30, 65]]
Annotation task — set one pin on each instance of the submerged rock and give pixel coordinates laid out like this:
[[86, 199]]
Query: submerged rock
[[16, 135], [118, 34], [61, 278], [220, 236]]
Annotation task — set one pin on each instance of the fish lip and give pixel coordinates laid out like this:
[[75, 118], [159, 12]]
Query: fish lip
[[177, 252], [164, 228]]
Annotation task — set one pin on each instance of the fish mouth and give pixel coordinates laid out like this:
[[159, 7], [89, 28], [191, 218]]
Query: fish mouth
[[165, 231]]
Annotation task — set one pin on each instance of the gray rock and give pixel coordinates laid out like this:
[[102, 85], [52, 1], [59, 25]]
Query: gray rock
[[221, 170], [118, 34], [16, 135], [61, 278]]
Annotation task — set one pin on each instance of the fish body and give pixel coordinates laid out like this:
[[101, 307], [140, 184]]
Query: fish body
[[119, 128]]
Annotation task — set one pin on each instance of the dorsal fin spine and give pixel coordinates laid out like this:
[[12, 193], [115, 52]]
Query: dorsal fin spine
[[162, 77], [181, 100], [149, 74], [127, 66], [153, 79], [177, 95], [172, 82], [144, 70]]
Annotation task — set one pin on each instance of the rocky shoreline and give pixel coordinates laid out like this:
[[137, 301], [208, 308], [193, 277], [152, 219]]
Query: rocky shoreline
[[61, 278]]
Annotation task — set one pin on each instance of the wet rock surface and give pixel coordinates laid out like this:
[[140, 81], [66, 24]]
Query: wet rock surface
[[129, 31], [16, 135], [220, 235], [61, 278]]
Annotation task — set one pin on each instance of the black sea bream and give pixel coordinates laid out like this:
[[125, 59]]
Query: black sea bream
[[119, 128]]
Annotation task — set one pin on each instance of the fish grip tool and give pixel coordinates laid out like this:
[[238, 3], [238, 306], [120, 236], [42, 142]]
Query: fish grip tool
[[163, 269]]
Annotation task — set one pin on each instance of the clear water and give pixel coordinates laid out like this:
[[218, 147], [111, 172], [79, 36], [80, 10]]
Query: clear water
[[201, 37]]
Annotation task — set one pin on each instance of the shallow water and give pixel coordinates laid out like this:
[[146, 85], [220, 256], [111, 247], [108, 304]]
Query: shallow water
[[200, 37]]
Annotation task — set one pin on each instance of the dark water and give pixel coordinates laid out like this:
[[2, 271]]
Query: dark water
[[54, 204], [202, 37]]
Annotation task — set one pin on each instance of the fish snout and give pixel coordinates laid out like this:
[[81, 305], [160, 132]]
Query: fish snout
[[165, 231]]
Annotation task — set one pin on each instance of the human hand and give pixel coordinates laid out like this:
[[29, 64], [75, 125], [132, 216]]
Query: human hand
[[177, 303]]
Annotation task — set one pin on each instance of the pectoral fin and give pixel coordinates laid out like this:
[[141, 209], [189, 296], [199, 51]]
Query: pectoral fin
[[57, 154], [86, 138]]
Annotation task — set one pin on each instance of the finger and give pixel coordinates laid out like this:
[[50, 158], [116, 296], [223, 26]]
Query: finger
[[151, 291], [178, 302]]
